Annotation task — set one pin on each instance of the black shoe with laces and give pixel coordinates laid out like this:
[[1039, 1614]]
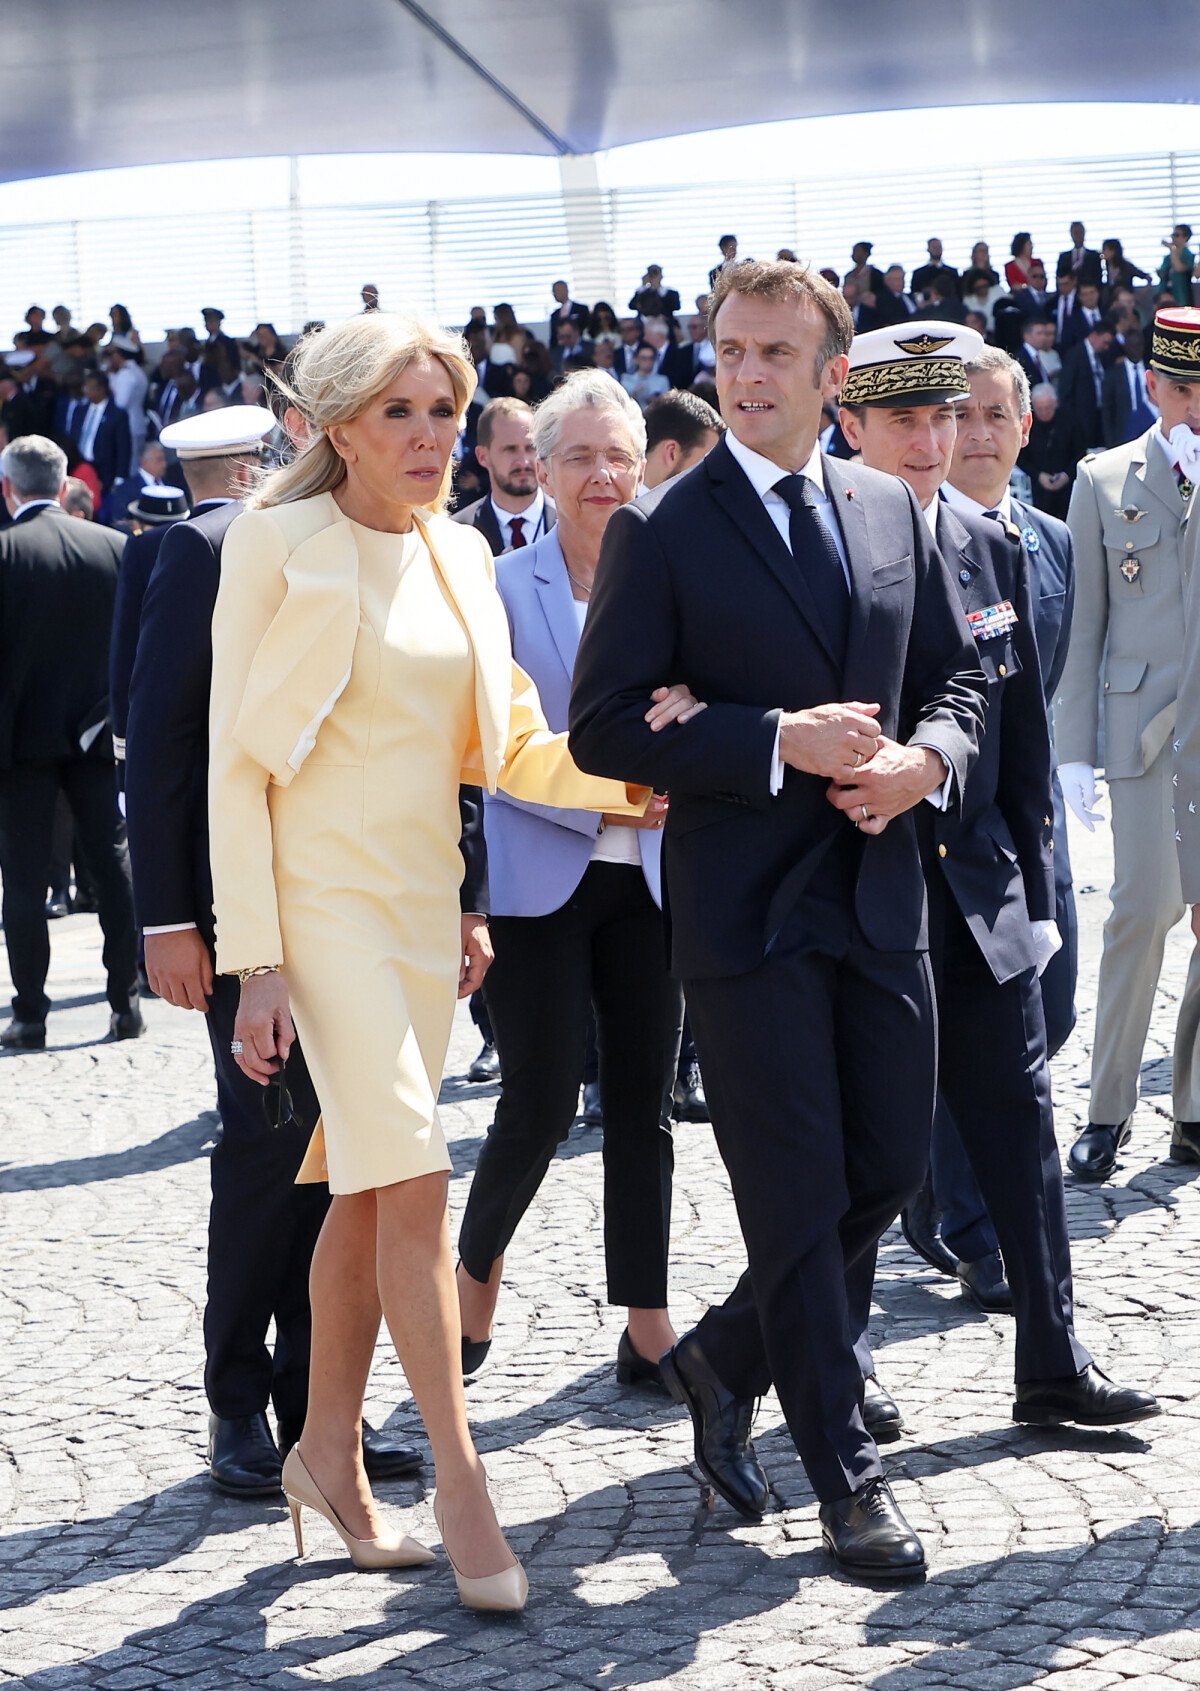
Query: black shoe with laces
[[688, 1102], [486, 1066], [243, 1458], [867, 1535], [721, 1426]]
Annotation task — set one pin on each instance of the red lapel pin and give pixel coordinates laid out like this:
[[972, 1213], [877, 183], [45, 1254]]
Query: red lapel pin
[[849, 493]]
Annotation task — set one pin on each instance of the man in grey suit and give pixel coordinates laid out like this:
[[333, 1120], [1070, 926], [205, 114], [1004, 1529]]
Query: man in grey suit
[[1126, 518]]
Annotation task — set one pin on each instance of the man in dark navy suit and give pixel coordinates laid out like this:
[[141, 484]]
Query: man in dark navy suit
[[156, 506], [102, 436], [992, 896], [515, 512], [151, 471], [1079, 260], [770, 574], [262, 1226], [1126, 409]]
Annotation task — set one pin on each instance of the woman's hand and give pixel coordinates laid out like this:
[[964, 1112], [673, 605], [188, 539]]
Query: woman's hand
[[477, 955], [264, 1026], [672, 704], [654, 817]]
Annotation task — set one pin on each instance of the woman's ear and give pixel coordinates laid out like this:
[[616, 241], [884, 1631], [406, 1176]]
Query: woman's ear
[[340, 444]]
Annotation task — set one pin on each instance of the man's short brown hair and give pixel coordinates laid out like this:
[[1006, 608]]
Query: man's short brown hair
[[783, 281], [505, 406]]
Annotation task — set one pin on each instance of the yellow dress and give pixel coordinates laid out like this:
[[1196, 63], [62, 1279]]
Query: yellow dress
[[356, 682]]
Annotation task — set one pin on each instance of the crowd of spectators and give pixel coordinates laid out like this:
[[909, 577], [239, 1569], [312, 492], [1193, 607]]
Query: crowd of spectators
[[103, 394]]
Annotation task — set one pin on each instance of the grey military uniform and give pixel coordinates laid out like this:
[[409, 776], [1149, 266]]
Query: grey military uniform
[[1126, 518]]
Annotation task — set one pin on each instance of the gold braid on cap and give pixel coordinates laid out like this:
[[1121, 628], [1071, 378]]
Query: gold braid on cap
[[870, 384], [1176, 354]]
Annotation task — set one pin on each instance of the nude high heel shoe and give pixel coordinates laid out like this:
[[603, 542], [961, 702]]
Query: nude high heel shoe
[[390, 1550], [504, 1593]]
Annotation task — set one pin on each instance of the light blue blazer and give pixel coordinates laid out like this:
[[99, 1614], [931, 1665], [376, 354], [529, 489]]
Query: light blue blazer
[[537, 855]]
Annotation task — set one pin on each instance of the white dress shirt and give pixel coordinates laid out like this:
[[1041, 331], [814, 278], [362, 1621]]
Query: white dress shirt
[[762, 475], [90, 429], [966, 506], [533, 516], [31, 505]]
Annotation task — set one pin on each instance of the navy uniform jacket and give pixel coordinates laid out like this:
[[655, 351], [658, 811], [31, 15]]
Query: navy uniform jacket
[[1052, 577], [996, 852], [137, 566], [166, 772], [695, 585]]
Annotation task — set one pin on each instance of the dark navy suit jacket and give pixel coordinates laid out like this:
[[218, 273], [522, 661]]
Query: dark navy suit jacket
[[997, 858], [695, 585]]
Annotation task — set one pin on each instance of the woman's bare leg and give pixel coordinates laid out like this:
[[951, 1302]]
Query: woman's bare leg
[[345, 1325], [420, 1304]]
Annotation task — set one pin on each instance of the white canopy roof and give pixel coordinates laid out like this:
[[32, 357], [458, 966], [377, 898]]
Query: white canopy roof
[[90, 86]]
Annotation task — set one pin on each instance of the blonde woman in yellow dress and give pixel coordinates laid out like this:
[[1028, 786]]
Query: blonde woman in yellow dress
[[361, 670]]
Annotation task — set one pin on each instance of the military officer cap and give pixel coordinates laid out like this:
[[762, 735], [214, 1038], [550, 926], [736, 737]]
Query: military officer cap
[[914, 363], [158, 503], [232, 431], [1175, 343]]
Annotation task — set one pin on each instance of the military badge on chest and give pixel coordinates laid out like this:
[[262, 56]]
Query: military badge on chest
[[1131, 568], [992, 621]]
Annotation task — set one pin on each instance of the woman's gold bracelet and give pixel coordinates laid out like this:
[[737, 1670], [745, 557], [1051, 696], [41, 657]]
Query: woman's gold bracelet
[[245, 975]]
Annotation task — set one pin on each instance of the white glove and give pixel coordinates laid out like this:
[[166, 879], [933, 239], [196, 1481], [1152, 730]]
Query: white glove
[[1046, 941], [1078, 783], [1186, 447]]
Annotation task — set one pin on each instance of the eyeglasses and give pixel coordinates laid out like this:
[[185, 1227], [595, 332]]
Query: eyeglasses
[[581, 459], [278, 1107]]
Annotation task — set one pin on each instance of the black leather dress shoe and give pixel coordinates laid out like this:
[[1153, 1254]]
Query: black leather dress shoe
[[486, 1066], [474, 1355], [1185, 1142], [24, 1036], [58, 904], [983, 1282], [593, 1115], [126, 1024], [688, 1102], [721, 1424], [881, 1413], [1089, 1399], [384, 1459], [920, 1223], [634, 1369], [867, 1535], [1093, 1156], [243, 1458]]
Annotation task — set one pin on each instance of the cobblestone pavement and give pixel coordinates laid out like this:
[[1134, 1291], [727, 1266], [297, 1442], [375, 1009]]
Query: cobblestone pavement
[[1069, 1561]]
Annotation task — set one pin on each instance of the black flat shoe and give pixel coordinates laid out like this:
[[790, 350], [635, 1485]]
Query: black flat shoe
[[593, 1115], [688, 1102], [1093, 1156], [24, 1036], [1089, 1399], [243, 1458], [474, 1355], [634, 1369], [486, 1066], [880, 1413], [1185, 1142], [867, 1535], [721, 1425], [126, 1024], [983, 1282], [920, 1223]]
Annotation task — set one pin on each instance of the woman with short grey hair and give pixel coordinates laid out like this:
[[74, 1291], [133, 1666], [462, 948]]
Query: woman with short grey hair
[[576, 922]]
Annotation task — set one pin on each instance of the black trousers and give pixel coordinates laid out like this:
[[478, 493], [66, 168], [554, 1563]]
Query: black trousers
[[819, 1072], [994, 1080], [605, 946], [28, 797], [262, 1229]]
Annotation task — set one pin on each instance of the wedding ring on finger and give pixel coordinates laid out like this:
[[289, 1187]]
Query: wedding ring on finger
[[858, 759], [866, 814], [236, 1047]]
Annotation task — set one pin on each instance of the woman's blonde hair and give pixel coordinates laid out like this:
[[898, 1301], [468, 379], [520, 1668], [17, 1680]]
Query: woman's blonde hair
[[335, 373]]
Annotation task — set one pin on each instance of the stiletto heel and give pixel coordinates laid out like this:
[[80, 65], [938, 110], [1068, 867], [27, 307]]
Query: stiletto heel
[[389, 1550], [504, 1593]]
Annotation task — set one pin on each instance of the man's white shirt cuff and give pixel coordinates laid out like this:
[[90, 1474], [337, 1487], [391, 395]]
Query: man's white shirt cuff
[[172, 928], [939, 799]]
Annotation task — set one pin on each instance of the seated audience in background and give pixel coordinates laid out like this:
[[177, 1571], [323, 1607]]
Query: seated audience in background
[[1051, 486], [602, 324], [643, 384], [979, 270], [1016, 271], [936, 271], [653, 298]]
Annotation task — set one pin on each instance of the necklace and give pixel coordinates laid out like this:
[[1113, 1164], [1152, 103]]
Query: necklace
[[582, 585]]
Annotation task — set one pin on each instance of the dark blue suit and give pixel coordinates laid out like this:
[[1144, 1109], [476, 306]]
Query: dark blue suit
[[113, 445], [262, 1227], [137, 564], [990, 872]]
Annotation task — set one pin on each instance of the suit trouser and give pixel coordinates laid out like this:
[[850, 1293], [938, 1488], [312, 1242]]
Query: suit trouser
[[28, 797], [605, 946], [966, 1226], [262, 1229], [819, 1072], [1147, 902], [995, 1083]]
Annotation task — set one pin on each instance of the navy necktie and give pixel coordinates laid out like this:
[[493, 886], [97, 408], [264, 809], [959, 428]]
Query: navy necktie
[[815, 553]]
